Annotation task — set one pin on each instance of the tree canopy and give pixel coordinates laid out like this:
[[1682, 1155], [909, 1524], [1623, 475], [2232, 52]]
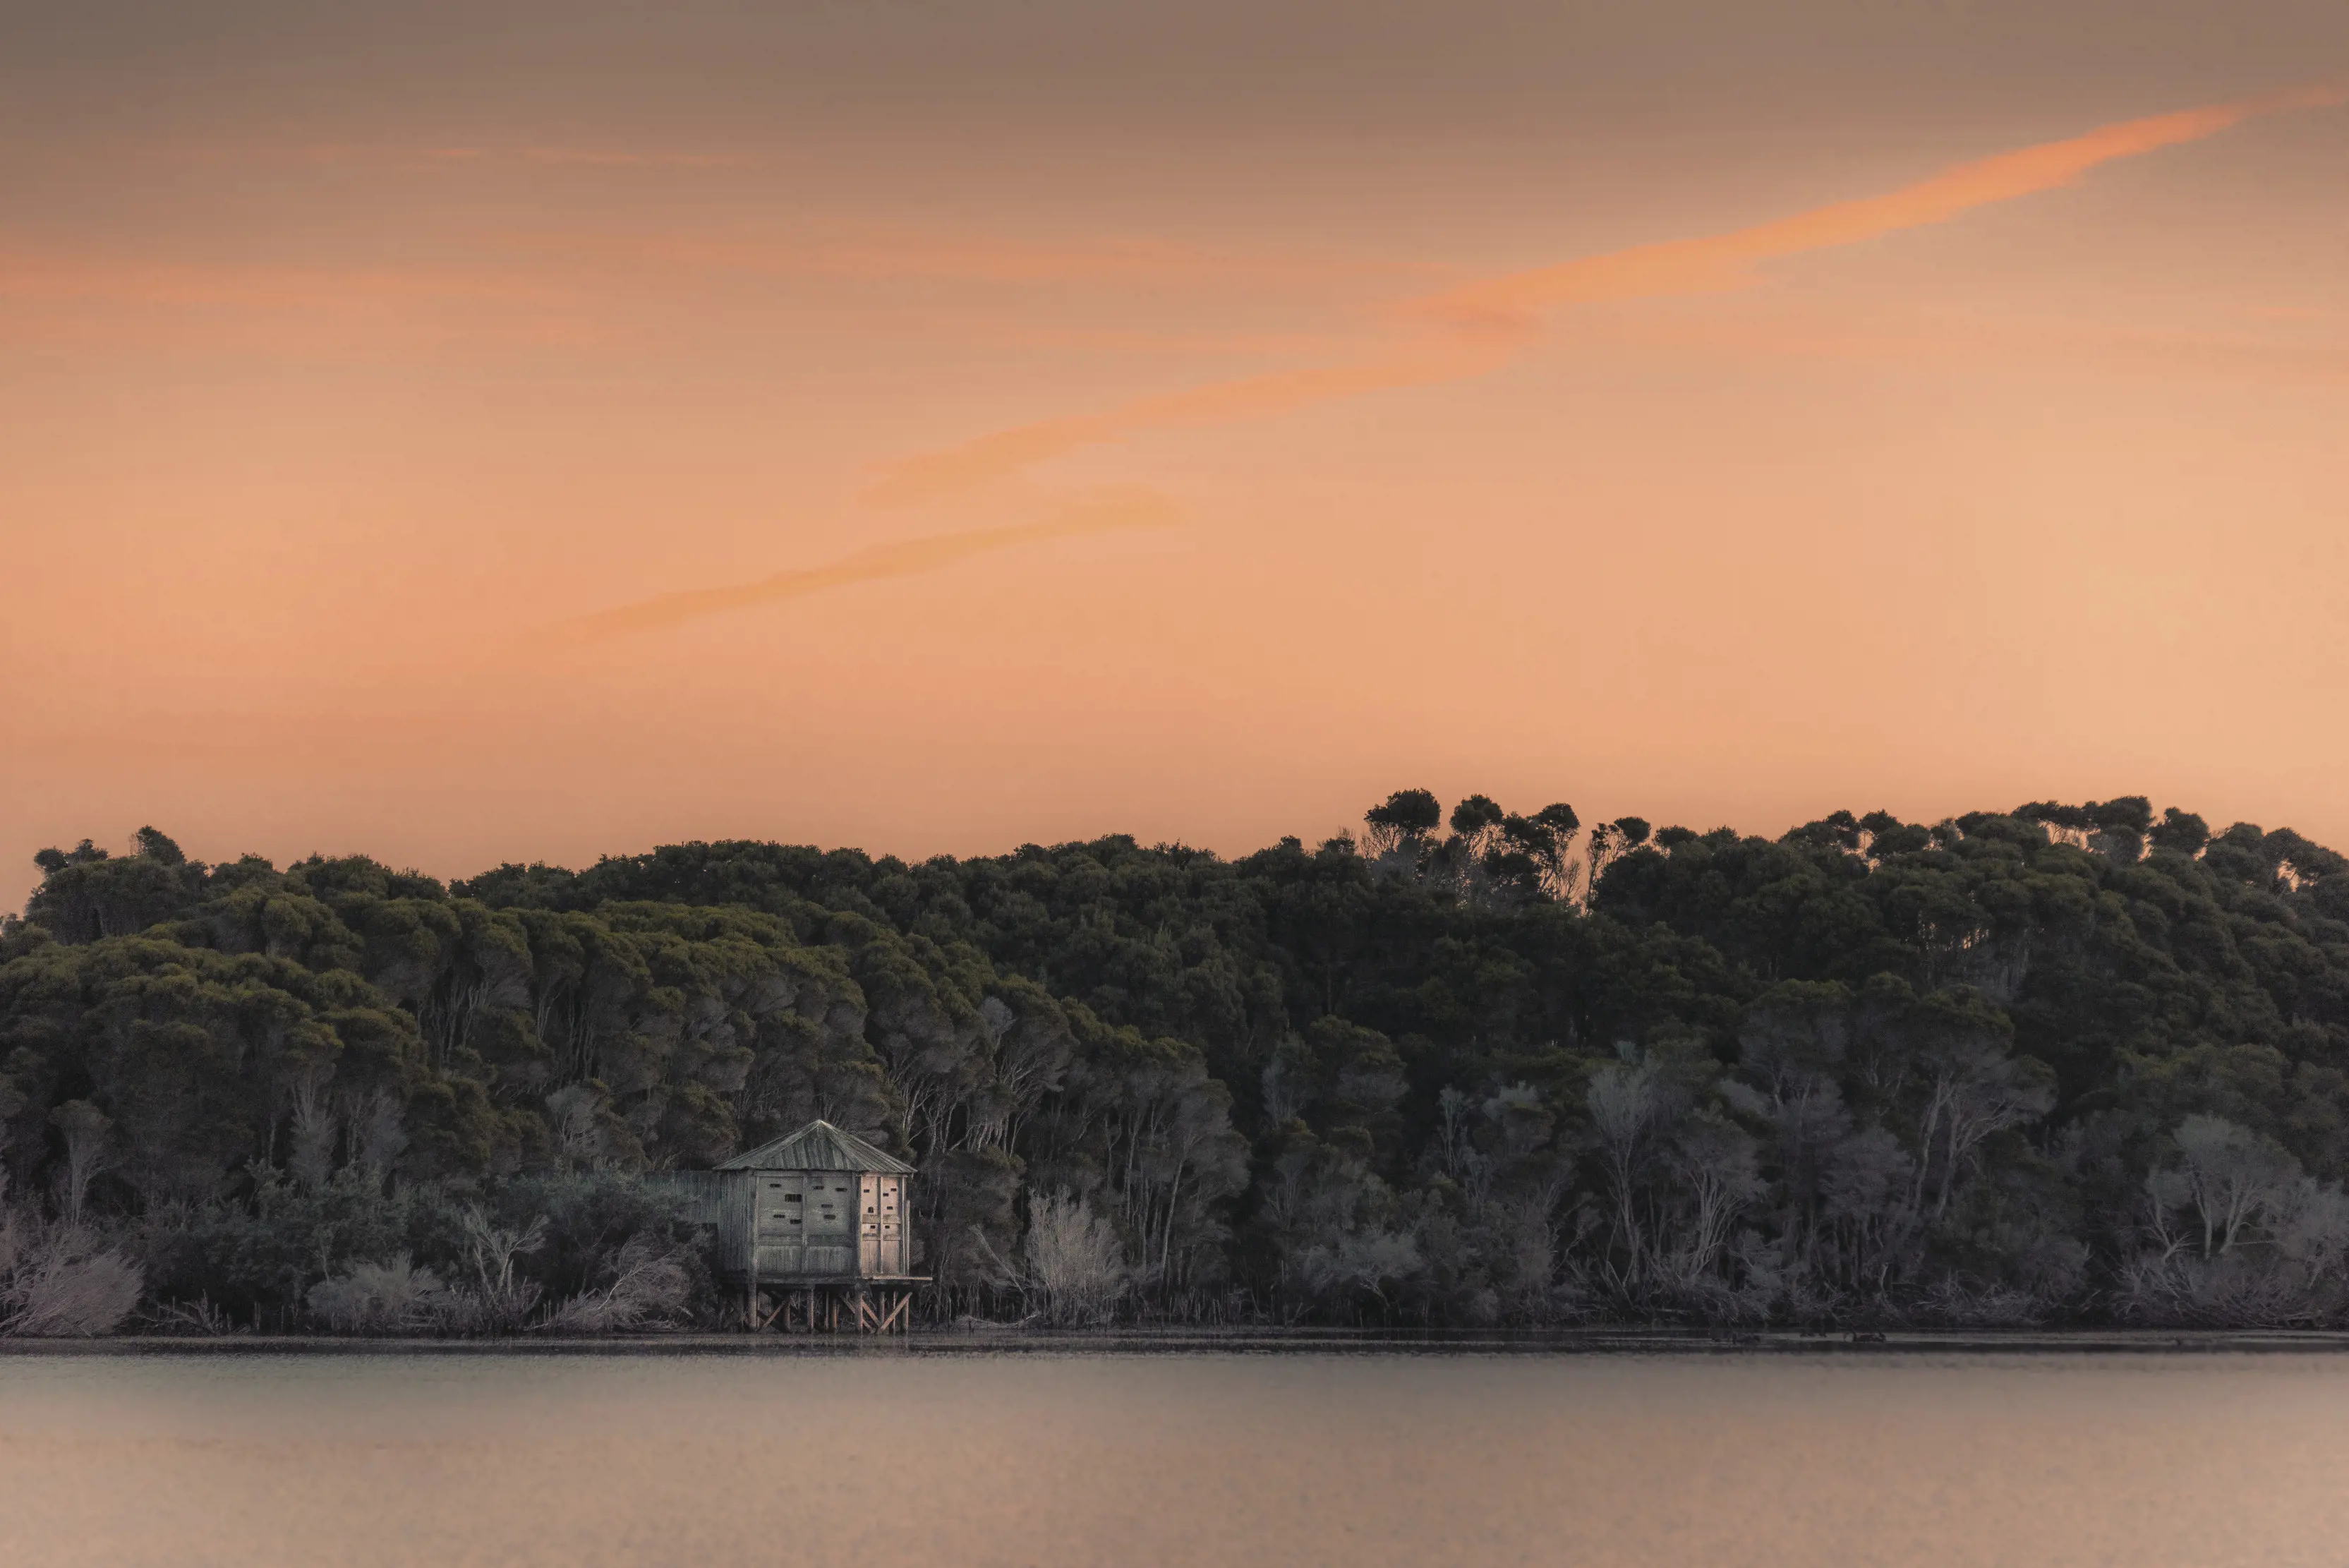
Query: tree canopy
[[2057, 1060]]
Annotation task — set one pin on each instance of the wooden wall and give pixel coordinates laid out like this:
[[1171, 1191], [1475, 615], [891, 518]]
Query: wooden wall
[[793, 1225]]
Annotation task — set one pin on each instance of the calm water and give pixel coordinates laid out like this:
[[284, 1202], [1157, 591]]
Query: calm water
[[1059, 1461]]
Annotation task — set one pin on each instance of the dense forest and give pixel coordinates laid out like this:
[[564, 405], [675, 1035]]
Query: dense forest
[[2063, 1063]]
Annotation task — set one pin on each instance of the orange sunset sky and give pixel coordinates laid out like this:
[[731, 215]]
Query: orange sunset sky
[[507, 431]]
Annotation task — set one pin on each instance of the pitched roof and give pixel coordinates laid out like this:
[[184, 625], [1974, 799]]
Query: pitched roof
[[819, 1146]]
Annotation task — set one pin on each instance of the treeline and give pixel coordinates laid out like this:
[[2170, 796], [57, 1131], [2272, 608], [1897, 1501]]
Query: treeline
[[2063, 1062]]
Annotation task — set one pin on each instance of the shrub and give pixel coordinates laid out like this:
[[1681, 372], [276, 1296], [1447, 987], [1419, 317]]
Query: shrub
[[58, 1281], [646, 1285], [1075, 1270], [393, 1297]]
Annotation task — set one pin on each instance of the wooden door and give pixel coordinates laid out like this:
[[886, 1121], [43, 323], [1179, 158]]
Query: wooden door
[[782, 1224], [868, 1225], [893, 1225], [832, 1228]]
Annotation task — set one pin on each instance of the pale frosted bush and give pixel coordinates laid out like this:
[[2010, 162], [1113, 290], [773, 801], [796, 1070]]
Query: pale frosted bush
[[1374, 1263], [500, 1299], [57, 1282], [391, 1297], [2240, 1237], [1075, 1266], [647, 1287]]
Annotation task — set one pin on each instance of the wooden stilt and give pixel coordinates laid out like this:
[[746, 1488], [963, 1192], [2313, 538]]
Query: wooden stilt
[[852, 1306]]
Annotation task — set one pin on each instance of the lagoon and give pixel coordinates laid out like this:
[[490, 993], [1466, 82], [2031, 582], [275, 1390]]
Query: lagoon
[[1057, 1456]]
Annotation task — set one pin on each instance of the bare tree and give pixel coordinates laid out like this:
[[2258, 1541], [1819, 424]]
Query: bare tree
[[1973, 1089], [1712, 1163], [311, 1159], [1866, 1191], [499, 1299], [1074, 1263], [85, 1127], [1372, 1261], [574, 1114], [2239, 1234], [377, 1131], [2233, 1178], [1629, 1104]]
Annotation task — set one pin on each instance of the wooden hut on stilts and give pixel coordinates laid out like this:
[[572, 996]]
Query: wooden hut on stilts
[[813, 1229]]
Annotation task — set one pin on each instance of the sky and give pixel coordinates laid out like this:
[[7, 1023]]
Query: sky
[[530, 431]]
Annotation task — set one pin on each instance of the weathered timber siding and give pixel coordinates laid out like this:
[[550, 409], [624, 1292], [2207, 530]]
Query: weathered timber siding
[[737, 1220]]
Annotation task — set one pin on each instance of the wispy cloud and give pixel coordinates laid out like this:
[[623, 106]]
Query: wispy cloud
[[438, 155], [134, 282], [1009, 452], [862, 254], [1469, 330], [1099, 513], [1716, 261], [308, 311], [1963, 339], [615, 158], [591, 283]]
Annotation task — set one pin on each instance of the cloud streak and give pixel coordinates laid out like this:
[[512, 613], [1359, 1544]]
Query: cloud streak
[[444, 156], [1717, 262], [905, 559], [1470, 330], [865, 256], [587, 285], [281, 288], [1009, 452]]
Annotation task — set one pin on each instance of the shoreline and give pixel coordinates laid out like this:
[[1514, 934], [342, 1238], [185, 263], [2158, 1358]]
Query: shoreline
[[995, 1341]]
